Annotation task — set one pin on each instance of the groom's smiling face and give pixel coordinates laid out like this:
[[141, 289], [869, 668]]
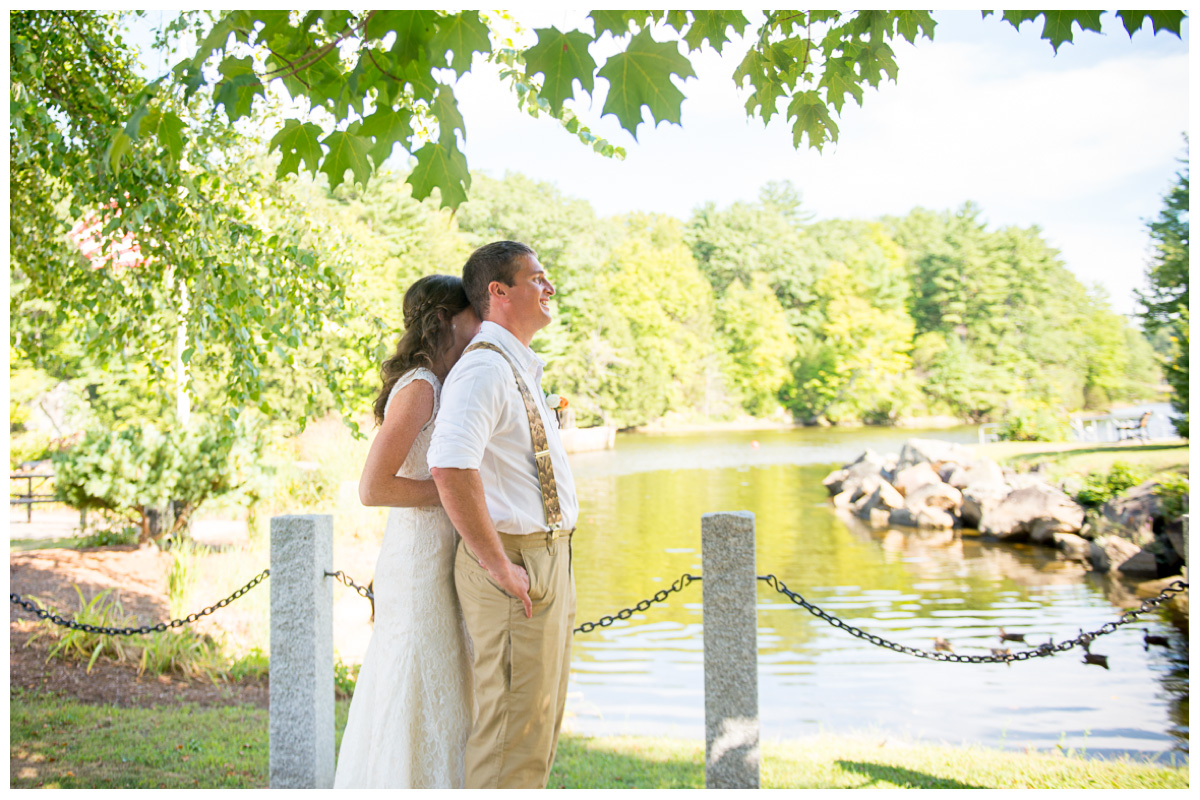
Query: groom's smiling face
[[530, 294]]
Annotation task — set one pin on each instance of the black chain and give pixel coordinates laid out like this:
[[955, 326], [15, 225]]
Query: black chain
[[162, 626], [1048, 649], [346, 579], [626, 613]]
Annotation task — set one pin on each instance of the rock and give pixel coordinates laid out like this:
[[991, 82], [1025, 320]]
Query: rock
[[1141, 564], [884, 497], [936, 518], [1073, 547], [863, 487], [980, 498], [911, 478], [933, 451], [934, 495], [977, 472], [1133, 513], [947, 469], [842, 500], [1039, 509], [1108, 551], [834, 480], [903, 518], [863, 476], [1022, 480]]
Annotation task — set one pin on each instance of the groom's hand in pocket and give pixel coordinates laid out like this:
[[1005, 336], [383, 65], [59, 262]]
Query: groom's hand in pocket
[[515, 581]]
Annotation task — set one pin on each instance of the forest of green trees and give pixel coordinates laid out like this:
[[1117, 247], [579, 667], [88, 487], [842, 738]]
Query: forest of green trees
[[753, 308]]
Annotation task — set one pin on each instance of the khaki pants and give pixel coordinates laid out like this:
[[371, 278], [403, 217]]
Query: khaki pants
[[521, 664]]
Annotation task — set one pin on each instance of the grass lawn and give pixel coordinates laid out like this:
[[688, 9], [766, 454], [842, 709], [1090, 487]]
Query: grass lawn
[[57, 743], [1081, 458]]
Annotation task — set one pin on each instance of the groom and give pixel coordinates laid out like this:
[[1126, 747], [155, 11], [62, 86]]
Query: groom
[[503, 477]]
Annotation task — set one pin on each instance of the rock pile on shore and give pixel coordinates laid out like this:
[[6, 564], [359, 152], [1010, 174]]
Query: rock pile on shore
[[941, 485]]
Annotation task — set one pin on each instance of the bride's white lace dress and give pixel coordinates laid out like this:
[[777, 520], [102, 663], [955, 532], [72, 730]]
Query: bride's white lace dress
[[411, 711]]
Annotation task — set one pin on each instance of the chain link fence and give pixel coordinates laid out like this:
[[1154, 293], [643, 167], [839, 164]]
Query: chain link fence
[[1005, 656]]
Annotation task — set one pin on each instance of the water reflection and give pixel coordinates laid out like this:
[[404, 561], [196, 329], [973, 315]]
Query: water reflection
[[640, 530]]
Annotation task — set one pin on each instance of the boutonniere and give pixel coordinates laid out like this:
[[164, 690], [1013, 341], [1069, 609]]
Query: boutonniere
[[557, 404]]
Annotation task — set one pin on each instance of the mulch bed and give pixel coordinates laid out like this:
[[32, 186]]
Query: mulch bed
[[138, 580]]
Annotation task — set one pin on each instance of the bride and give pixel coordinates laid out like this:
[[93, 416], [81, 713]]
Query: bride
[[411, 711]]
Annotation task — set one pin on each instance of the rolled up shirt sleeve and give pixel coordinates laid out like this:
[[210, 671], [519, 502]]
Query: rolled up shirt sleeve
[[470, 410]]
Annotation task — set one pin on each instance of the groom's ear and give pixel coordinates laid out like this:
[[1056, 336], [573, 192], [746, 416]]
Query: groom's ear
[[497, 290]]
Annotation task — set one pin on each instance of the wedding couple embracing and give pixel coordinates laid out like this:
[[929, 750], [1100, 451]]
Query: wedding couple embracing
[[465, 678]]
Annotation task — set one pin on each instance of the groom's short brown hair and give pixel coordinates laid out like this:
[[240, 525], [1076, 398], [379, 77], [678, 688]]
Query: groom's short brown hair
[[496, 261]]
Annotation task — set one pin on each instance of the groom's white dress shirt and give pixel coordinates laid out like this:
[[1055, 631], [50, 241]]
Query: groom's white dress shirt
[[482, 425]]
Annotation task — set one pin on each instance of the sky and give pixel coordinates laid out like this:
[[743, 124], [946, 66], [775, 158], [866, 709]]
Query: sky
[[1082, 144]]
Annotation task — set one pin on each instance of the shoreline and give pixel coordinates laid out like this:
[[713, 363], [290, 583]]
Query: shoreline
[[757, 424]]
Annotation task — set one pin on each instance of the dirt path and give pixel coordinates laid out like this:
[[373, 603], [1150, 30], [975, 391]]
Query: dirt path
[[138, 580]]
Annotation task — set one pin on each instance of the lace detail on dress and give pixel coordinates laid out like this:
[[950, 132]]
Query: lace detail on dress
[[411, 711]]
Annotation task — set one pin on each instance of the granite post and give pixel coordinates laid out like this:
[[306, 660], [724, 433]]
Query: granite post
[[731, 750], [301, 692]]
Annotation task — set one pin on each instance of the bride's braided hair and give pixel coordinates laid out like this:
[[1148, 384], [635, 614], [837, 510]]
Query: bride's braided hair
[[429, 305]]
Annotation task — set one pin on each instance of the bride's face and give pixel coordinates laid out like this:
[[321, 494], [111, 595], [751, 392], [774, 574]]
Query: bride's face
[[463, 327]]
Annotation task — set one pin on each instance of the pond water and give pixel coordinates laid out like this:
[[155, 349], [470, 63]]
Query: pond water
[[639, 531]]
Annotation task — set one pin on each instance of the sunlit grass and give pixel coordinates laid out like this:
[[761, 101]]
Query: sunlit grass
[[56, 743], [1083, 457]]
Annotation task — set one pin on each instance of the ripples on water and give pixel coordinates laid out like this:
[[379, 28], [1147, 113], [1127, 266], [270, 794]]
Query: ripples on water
[[640, 530]]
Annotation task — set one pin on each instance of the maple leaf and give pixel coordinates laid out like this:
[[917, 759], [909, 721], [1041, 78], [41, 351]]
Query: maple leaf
[[1161, 20], [563, 59], [641, 76], [237, 87], [1058, 25], [413, 31], [449, 118], [464, 34], [347, 151], [839, 80], [875, 60], [767, 87], [711, 25], [812, 119], [441, 166], [677, 20], [419, 77], [617, 22], [387, 127], [909, 24], [297, 142]]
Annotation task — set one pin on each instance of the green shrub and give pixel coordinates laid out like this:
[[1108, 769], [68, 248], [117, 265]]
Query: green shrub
[[182, 652], [1172, 491], [1029, 425], [74, 645], [1100, 487], [131, 472]]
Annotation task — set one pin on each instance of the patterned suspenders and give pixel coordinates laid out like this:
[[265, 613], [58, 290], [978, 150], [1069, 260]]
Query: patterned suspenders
[[541, 448]]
